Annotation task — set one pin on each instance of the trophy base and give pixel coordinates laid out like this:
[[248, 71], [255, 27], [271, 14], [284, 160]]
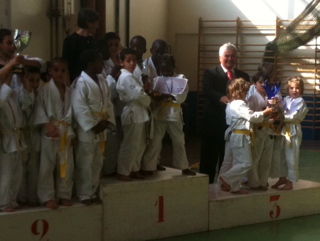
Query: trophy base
[[18, 70]]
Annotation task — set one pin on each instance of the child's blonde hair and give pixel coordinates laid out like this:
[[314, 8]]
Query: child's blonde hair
[[236, 87], [296, 80]]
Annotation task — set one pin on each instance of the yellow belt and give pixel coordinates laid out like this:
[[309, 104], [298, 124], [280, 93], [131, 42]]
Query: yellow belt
[[104, 116], [245, 132], [265, 125], [170, 104], [63, 151], [288, 129], [17, 136]]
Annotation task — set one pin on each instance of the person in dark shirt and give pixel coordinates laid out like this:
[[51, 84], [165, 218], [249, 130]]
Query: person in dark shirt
[[74, 44]]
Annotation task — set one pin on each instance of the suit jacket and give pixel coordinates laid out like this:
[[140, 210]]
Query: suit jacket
[[214, 86]]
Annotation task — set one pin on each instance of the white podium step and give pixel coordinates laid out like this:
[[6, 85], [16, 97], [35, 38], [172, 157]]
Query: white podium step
[[230, 210], [76, 223], [163, 205]]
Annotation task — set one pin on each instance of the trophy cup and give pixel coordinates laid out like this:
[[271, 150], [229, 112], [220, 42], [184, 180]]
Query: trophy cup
[[273, 102], [21, 40]]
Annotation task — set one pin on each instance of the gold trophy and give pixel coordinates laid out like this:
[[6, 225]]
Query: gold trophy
[[21, 40]]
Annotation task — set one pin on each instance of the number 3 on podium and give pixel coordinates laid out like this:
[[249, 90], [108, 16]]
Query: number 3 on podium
[[275, 198]]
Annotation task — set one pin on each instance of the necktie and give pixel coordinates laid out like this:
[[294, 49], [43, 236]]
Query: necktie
[[229, 73]]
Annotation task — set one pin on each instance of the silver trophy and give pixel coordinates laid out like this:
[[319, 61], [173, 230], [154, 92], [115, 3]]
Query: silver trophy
[[21, 40]]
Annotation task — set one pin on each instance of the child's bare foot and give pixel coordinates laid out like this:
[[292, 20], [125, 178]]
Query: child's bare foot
[[288, 186], [86, 202], [160, 168], [137, 175], [51, 204], [96, 200], [263, 188], [224, 188], [281, 181], [8, 210], [241, 191], [124, 178], [146, 173], [255, 188], [188, 172], [66, 202], [226, 185]]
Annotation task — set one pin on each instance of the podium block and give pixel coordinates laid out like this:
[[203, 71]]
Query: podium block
[[163, 205], [75, 223], [230, 210]]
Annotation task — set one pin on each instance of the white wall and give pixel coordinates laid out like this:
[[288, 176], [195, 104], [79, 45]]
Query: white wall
[[31, 15], [149, 18]]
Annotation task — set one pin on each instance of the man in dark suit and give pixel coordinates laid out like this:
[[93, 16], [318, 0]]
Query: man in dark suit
[[215, 99]]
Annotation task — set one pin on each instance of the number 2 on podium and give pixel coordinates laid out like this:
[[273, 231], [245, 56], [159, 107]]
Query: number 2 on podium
[[159, 202]]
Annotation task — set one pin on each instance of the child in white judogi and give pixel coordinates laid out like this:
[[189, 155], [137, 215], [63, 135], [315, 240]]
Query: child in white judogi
[[92, 112], [29, 186], [151, 68], [53, 112], [13, 146], [264, 137], [114, 133], [241, 137], [167, 114], [134, 118], [295, 110], [114, 44]]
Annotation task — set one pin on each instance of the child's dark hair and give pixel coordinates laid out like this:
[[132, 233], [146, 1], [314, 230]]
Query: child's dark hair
[[258, 75], [126, 51], [267, 69], [85, 16], [140, 38], [111, 35], [32, 69], [102, 43], [3, 33], [168, 60], [88, 56], [58, 60], [235, 87]]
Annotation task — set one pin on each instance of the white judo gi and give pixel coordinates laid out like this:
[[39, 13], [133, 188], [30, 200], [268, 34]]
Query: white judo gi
[[114, 132], [167, 116], [295, 111], [228, 157], [264, 143], [149, 69], [134, 121], [107, 68], [12, 146], [241, 142], [32, 134], [56, 153], [90, 104]]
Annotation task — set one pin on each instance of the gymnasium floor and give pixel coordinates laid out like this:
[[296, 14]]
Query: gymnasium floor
[[296, 229]]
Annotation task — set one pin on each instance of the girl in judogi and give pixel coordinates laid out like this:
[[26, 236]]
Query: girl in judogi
[[240, 138], [53, 112], [92, 112], [295, 110], [134, 118], [29, 186], [167, 114]]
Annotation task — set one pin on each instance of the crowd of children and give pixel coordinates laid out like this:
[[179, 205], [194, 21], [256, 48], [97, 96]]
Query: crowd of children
[[59, 131]]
